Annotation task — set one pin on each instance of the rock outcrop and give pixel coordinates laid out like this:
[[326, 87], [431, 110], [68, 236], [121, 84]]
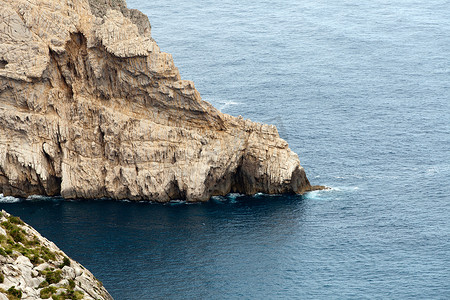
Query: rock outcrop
[[31, 267], [90, 107]]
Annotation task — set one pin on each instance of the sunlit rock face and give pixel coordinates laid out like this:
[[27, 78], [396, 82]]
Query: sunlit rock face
[[90, 107]]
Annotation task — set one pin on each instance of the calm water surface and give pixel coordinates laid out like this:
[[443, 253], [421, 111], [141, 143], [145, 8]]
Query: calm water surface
[[361, 91]]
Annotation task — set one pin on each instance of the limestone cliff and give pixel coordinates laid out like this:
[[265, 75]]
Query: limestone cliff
[[31, 267], [90, 107]]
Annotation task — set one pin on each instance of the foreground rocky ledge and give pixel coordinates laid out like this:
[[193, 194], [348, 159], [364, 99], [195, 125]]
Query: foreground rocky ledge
[[31, 267], [90, 108]]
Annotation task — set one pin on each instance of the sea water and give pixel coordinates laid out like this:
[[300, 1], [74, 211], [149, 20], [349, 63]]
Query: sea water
[[361, 91]]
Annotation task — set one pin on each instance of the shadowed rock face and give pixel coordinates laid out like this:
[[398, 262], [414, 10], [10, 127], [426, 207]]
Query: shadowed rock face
[[90, 107]]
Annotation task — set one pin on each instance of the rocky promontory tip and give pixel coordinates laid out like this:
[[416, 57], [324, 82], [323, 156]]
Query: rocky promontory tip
[[31, 267], [90, 107]]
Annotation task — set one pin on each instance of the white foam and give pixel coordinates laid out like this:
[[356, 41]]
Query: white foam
[[432, 171], [343, 188], [226, 104], [39, 198], [234, 195], [177, 202], [218, 199], [266, 195], [312, 195], [8, 199], [320, 194]]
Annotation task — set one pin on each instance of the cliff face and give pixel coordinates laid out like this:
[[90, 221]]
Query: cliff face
[[34, 268], [90, 107]]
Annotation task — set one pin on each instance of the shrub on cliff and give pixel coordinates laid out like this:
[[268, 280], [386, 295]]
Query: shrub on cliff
[[66, 262], [17, 235], [46, 254], [69, 294], [16, 220], [15, 232], [47, 292], [53, 276], [14, 294]]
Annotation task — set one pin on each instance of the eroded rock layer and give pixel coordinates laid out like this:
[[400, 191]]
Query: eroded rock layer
[[90, 107]]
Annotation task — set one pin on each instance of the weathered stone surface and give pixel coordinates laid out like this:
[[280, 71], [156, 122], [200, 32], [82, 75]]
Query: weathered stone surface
[[90, 107], [29, 277]]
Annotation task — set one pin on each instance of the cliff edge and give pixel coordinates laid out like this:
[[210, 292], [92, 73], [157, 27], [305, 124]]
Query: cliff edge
[[90, 107], [32, 267]]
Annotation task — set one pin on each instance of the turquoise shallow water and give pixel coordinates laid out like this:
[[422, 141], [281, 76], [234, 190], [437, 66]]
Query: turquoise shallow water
[[361, 91]]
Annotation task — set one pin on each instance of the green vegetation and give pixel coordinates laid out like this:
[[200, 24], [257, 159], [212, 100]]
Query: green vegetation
[[15, 220], [36, 254], [68, 294], [33, 242], [7, 225], [48, 292], [43, 284], [34, 259], [14, 294], [18, 240], [47, 254], [99, 282], [71, 284], [66, 262], [53, 276], [17, 235]]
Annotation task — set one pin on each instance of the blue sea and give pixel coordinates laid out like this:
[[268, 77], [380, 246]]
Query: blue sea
[[361, 91]]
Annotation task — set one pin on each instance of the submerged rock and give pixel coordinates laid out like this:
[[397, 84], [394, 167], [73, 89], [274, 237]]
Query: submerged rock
[[33, 267], [90, 107]]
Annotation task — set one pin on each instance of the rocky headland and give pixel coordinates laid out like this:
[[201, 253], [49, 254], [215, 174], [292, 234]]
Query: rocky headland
[[90, 107], [32, 267]]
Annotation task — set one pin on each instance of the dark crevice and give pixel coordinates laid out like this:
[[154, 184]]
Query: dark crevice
[[237, 185], [174, 158], [3, 63], [174, 192], [101, 140], [29, 182], [49, 160], [53, 186], [53, 56], [58, 139], [40, 186]]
